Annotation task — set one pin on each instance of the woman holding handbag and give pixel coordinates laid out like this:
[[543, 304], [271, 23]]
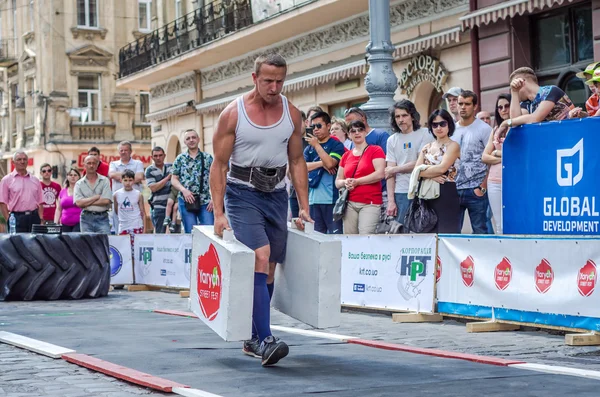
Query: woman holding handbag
[[442, 156], [360, 173]]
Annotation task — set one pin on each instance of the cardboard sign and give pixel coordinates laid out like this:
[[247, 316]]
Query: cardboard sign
[[222, 284]]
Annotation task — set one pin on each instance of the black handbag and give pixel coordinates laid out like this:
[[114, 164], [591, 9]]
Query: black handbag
[[339, 208], [420, 218], [196, 206], [389, 225]]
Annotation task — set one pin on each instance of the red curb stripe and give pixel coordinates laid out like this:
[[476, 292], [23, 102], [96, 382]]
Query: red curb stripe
[[435, 352], [176, 313], [123, 373]]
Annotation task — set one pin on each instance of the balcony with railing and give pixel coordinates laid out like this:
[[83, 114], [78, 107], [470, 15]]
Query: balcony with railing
[[142, 131], [8, 52], [191, 31], [93, 132]]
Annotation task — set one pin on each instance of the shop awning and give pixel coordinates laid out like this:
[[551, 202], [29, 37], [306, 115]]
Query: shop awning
[[171, 111], [421, 43], [336, 73], [505, 10]]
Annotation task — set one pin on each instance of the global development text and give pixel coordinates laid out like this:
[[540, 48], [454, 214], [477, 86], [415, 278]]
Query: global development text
[[571, 207]]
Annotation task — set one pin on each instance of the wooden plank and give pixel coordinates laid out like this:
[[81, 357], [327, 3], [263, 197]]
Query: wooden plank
[[491, 326], [184, 294], [138, 287], [417, 317], [588, 339], [367, 309], [34, 345], [522, 324]]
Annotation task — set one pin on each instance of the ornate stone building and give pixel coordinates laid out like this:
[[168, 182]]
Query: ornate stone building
[[194, 66], [58, 70]]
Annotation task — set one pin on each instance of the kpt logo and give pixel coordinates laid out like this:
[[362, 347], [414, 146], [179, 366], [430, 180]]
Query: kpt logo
[[503, 274], [145, 259], [567, 166], [544, 276], [116, 261], [467, 271], [412, 270], [209, 283], [586, 279], [187, 262]]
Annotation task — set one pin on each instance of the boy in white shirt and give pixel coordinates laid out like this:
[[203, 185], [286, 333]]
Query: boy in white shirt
[[129, 206]]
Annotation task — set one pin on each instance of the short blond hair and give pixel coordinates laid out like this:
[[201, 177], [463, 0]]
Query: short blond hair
[[342, 123], [524, 72], [269, 58]]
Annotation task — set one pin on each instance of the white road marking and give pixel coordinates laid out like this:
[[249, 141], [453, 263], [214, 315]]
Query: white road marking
[[554, 369], [186, 392], [34, 345], [317, 334]]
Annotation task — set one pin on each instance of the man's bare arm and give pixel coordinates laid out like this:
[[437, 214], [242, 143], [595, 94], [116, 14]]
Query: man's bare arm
[[223, 140], [4, 209], [86, 202]]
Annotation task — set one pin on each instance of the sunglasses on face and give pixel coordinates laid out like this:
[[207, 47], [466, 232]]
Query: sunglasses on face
[[502, 107], [354, 131], [442, 124], [318, 126], [46, 171]]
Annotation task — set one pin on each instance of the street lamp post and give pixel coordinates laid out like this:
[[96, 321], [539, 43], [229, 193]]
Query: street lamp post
[[380, 82]]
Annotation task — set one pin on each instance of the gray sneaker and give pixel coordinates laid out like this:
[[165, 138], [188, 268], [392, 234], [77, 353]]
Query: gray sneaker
[[252, 348], [273, 350]]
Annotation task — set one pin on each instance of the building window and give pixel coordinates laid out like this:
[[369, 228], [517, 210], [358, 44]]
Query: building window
[[563, 38], [89, 97], [178, 9], [144, 105], [339, 109], [144, 15], [87, 13]]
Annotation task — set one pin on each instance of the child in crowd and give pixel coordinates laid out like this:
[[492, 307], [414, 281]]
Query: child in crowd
[[171, 220], [594, 84], [129, 207]]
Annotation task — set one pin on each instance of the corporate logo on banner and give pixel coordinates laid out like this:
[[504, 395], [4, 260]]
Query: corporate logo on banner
[[116, 261], [544, 276], [145, 258], [503, 274], [412, 268], [467, 271], [557, 194], [586, 278], [187, 261], [209, 283]]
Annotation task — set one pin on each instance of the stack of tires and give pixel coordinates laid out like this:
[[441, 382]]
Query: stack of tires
[[49, 267]]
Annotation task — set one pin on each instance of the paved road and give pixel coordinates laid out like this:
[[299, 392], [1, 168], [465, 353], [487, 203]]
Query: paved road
[[69, 323]]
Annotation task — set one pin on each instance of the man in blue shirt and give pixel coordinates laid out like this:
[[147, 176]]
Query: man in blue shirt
[[322, 158]]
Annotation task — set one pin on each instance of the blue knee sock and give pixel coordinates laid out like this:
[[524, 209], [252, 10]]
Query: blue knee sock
[[261, 311], [270, 287]]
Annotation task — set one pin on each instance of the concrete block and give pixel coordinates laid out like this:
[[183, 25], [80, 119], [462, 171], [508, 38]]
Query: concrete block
[[222, 284], [307, 285]]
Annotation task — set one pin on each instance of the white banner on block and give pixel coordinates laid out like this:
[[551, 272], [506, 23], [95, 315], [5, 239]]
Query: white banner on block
[[121, 264], [548, 281], [162, 259], [395, 272], [222, 289]]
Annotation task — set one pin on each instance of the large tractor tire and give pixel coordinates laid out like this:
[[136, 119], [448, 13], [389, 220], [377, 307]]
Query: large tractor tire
[[49, 267]]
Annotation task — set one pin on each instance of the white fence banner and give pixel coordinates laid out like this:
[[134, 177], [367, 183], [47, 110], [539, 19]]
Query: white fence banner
[[163, 260], [549, 281], [395, 272], [121, 264]]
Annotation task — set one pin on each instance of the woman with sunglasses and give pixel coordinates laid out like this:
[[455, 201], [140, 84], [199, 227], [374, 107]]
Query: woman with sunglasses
[[442, 155], [492, 155], [361, 171], [67, 213]]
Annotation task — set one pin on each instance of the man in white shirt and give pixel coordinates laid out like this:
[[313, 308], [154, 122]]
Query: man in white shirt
[[116, 169], [403, 149]]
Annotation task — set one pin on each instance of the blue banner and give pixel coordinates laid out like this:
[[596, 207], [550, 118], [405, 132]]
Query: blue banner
[[550, 182]]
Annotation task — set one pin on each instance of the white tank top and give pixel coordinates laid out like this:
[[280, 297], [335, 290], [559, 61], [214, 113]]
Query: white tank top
[[128, 204], [258, 146]]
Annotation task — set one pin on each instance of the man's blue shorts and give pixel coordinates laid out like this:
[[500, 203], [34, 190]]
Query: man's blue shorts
[[258, 218]]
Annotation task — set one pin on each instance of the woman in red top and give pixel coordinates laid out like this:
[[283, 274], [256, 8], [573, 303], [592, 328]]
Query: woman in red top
[[362, 177]]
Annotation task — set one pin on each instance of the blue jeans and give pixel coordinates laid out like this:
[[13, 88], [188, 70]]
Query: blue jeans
[[158, 218], [94, 222], [322, 214], [403, 203], [477, 207], [190, 219]]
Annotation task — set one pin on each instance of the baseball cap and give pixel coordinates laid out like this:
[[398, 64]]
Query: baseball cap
[[589, 69], [595, 77], [454, 91]]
